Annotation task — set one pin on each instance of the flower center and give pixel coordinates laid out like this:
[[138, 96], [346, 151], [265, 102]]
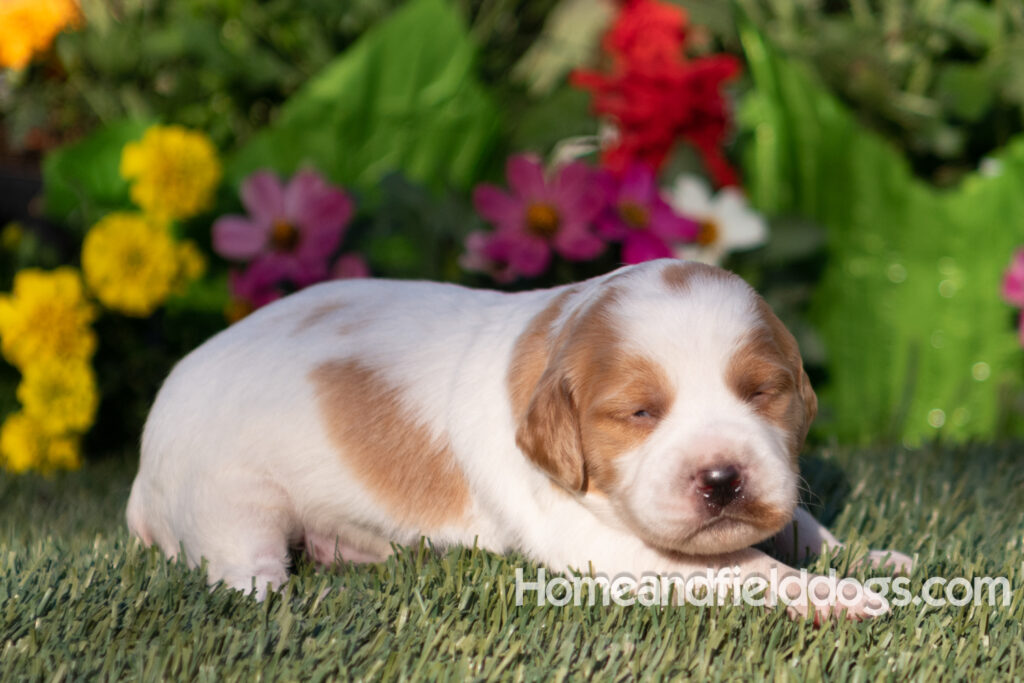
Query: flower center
[[542, 220], [284, 236], [708, 234], [634, 215]]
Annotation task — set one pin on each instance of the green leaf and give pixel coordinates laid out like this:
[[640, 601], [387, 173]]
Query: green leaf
[[967, 89], [81, 181], [563, 114], [919, 340], [974, 23], [207, 294], [403, 98]]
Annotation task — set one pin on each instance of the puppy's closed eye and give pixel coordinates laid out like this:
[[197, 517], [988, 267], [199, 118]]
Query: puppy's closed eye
[[760, 388]]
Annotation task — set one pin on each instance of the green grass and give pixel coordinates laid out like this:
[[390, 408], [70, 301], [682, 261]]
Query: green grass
[[78, 600]]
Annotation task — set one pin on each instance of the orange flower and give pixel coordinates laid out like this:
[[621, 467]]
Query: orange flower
[[29, 26]]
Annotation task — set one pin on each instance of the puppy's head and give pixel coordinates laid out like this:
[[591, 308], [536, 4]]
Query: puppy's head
[[673, 391]]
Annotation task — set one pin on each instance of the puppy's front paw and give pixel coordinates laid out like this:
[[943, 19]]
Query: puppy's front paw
[[824, 598], [895, 562]]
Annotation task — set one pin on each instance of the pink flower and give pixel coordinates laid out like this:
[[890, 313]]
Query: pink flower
[[484, 254], [540, 214], [639, 217], [291, 230], [1013, 287], [259, 284], [350, 265], [1013, 280]]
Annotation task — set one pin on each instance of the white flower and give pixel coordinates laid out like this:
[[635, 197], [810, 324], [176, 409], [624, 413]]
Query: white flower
[[727, 223]]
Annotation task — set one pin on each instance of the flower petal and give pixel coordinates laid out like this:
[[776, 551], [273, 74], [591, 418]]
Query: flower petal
[[527, 255], [637, 184], [497, 206], [263, 196], [1013, 280], [691, 196], [238, 238], [670, 226], [258, 284], [741, 227], [311, 204], [644, 246], [526, 176], [577, 243], [350, 265]]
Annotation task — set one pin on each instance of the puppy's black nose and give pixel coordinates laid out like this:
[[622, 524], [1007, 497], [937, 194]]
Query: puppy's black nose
[[720, 485]]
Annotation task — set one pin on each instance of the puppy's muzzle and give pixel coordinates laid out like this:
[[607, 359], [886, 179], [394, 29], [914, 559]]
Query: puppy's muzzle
[[719, 485]]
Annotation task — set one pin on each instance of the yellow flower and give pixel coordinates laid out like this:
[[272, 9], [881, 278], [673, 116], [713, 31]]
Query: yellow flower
[[46, 317], [25, 445], [191, 265], [131, 263], [173, 171], [59, 396], [29, 26]]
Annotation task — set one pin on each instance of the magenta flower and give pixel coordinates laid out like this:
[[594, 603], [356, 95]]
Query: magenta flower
[[484, 254], [540, 214], [638, 216], [258, 284], [1013, 286], [291, 230], [350, 265], [1013, 280]]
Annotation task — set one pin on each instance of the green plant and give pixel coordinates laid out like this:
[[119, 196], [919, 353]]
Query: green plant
[[940, 79]]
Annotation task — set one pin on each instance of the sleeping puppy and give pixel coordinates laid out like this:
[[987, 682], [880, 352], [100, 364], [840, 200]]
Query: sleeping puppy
[[648, 420]]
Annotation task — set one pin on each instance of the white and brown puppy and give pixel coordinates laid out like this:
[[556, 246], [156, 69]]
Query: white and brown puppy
[[644, 421]]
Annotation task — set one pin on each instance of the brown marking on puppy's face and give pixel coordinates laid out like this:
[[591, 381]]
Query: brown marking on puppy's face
[[678, 277], [581, 400], [767, 373], [622, 397], [316, 315], [409, 469]]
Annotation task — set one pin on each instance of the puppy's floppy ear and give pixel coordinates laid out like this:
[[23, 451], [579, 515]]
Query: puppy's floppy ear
[[810, 400], [549, 433], [791, 350]]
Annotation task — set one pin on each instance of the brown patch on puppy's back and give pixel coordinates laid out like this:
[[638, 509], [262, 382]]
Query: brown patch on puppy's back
[[398, 459]]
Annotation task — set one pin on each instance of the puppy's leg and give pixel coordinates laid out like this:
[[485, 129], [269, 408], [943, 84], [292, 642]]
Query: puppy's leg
[[806, 536], [243, 533]]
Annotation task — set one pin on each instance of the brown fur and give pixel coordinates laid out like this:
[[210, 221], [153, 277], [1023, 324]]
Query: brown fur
[[628, 383], [567, 426], [767, 371], [679, 276], [530, 355], [759, 515], [412, 471]]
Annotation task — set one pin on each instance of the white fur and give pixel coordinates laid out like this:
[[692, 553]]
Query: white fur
[[237, 464]]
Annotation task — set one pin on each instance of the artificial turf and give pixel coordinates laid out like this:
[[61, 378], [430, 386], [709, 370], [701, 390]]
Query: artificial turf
[[79, 600]]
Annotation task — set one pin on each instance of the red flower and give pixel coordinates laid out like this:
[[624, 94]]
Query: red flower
[[647, 32], [655, 95]]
